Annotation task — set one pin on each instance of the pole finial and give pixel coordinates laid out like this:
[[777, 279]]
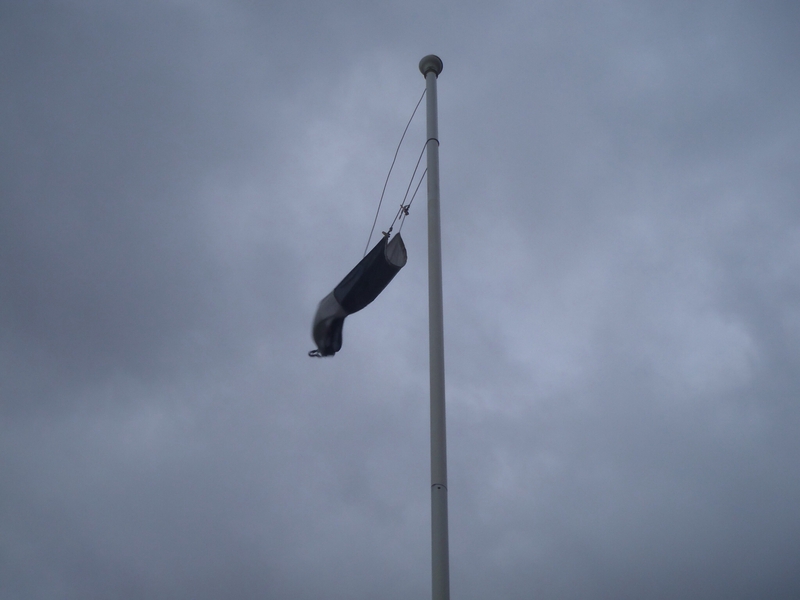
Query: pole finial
[[430, 63]]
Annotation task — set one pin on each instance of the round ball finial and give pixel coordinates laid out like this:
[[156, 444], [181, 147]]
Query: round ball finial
[[430, 63]]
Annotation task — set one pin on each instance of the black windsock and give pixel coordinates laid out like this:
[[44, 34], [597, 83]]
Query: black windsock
[[359, 287]]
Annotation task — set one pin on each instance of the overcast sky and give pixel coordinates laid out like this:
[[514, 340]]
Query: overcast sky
[[180, 184]]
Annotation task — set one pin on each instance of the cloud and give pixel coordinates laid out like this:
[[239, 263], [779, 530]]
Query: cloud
[[181, 183]]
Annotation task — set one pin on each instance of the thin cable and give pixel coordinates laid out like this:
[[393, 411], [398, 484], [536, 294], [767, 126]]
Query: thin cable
[[385, 183], [403, 207], [414, 174], [408, 206]]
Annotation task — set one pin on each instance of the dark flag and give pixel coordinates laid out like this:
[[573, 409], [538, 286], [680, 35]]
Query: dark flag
[[360, 287]]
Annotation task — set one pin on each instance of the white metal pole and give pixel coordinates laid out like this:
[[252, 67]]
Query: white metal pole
[[430, 67]]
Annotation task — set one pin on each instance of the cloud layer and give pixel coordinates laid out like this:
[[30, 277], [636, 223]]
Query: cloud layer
[[181, 183]]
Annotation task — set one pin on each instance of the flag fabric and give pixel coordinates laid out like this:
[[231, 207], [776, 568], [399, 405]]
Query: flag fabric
[[359, 287]]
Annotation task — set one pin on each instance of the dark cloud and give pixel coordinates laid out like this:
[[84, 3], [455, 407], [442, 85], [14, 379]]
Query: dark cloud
[[181, 183]]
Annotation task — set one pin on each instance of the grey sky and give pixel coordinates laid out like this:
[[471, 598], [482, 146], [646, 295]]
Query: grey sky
[[181, 183]]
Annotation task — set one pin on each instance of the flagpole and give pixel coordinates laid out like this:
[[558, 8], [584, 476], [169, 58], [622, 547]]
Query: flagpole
[[430, 67]]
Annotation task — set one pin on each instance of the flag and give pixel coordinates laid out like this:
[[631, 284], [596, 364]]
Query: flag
[[360, 287]]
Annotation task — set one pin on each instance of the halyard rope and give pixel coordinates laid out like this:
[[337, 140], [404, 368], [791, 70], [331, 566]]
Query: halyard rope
[[371, 231]]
